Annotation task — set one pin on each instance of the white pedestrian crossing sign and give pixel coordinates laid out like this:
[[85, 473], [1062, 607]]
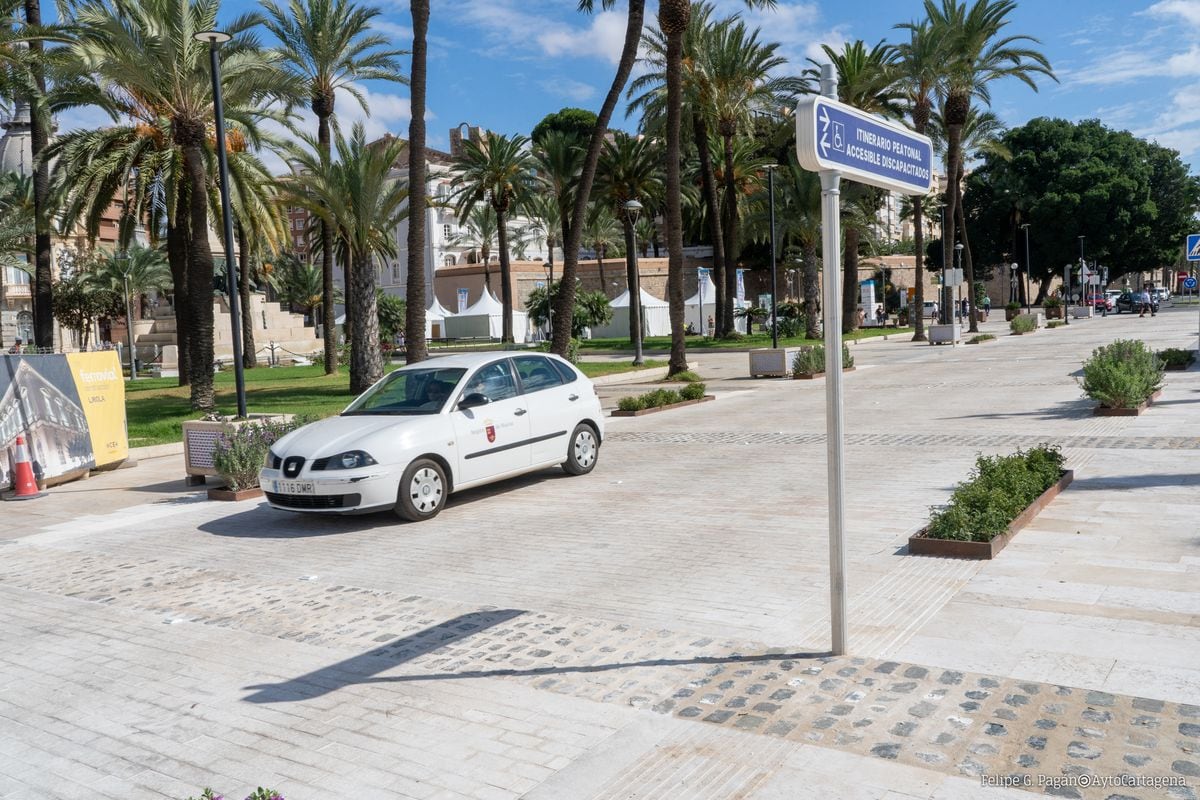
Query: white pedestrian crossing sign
[[1193, 247]]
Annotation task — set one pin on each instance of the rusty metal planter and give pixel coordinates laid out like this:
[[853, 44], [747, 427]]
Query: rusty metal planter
[[1105, 411], [921, 545], [231, 495], [816, 375], [643, 411]]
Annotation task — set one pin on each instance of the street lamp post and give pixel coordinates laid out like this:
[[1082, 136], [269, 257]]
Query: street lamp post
[[1013, 294], [632, 210], [1025, 227], [774, 279], [958, 248], [214, 40], [123, 260]]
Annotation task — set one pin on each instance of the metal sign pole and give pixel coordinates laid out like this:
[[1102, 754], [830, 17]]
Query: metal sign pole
[[831, 249]]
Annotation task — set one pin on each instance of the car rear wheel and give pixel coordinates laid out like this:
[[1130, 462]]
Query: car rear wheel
[[423, 490], [583, 450]]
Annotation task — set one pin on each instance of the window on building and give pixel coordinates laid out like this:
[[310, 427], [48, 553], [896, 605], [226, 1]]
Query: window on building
[[448, 261], [445, 231], [16, 277], [396, 272]]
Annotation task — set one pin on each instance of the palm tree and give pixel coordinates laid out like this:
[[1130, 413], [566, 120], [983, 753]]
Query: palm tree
[[559, 158], [917, 68], [414, 292], [150, 69], [545, 225], [866, 80], [742, 71], [138, 271], [601, 232], [297, 284], [326, 46], [480, 234], [630, 170], [498, 171], [977, 54], [357, 197], [564, 302], [16, 220]]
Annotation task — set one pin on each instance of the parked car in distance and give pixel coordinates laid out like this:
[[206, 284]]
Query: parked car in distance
[[1164, 294], [1131, 302], [1101, 302], [433, 428], [930, 308]]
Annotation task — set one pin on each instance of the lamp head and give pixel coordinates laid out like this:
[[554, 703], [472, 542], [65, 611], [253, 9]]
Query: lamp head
[[212, 37], [958, 246], [632, 209]]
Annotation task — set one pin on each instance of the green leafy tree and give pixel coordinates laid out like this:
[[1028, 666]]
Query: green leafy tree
[[480, 234], [497, 171], [392, 315], [576, 123], [591, 308], [326, 46], [141, 270]]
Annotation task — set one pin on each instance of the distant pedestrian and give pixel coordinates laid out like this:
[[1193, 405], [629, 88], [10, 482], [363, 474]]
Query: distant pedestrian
[[987, 308], [880, 315], [16, 348]]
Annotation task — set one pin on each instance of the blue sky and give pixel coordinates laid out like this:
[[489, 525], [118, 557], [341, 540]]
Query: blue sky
[[504, 64]]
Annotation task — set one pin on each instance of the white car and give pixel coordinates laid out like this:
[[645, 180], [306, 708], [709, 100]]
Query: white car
[[436, 427]]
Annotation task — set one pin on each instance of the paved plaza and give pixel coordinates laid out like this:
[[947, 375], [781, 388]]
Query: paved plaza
[[657, 629]]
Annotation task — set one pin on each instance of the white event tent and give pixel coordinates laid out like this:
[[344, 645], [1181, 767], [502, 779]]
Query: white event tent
[[435, 320], [656, 317], [485, 319]]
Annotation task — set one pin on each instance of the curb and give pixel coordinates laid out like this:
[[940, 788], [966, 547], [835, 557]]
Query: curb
[[156, 450], [636, 376]]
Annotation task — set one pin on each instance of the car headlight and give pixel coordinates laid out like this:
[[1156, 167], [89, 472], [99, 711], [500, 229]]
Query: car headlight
[[351, 459], [272, 460]]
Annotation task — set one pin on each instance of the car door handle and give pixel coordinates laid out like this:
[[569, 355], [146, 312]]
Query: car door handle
[[573, 397], [520, 412]]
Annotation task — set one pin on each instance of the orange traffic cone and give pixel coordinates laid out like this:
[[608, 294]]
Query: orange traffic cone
[[24, 484]]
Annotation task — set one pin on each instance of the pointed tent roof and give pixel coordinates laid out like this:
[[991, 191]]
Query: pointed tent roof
[[648, 300], [436, 309], [710, 293], [487, 304]]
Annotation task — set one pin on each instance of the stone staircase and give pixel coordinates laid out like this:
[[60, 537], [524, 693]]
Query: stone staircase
[[271, 323]]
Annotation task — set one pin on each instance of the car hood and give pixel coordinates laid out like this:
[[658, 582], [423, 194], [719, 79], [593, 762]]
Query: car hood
[[380, 436]]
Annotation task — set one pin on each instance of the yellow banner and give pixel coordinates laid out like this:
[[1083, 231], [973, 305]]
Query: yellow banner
[[101, 388]]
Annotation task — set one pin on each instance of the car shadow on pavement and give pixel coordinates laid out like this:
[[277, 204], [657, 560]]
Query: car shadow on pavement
[[1113, 482], [365, 668], [264, 522]]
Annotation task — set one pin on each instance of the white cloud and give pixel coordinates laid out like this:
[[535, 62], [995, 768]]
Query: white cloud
[[1188, 10], [528, 29], [401, 35], [604, 37], [573, 90]]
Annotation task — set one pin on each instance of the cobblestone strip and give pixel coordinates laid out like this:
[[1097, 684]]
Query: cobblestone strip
[[952, 722], [1009, 441]]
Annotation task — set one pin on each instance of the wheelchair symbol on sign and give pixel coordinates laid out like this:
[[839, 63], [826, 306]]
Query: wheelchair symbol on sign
[[839, 136]]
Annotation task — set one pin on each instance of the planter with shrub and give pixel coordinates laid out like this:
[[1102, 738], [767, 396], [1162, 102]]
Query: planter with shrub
[[1058, 323], [1123, 377], [241, 452], [1002, 496], [1011, 310], [809, 363], [1054, 308], [1022, 324], [981, 339], [661, 400], [1176, 359]]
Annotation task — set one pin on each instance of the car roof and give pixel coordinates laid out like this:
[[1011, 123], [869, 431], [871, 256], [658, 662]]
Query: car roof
[[471, 360]]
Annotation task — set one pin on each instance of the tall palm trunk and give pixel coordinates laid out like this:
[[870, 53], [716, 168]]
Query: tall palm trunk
[[177, 258], [673, 19], [39, 138], [811, 290], [414, 322], [916, 312], [968, 262], [600, 266], [328, 317], [955, 114], [506, 298], [850, 281], [635, 320], [200, 266], [249, 351], [565, 302], [366, 364], [708, 187], [727, 292]]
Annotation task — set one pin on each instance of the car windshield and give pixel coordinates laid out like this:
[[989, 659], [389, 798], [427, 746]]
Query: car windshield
[[408, 391]]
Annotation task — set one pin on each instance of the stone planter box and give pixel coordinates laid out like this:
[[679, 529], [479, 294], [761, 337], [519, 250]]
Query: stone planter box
[[1083, 312], [1105, 411], [1009, 314], [816, 375], [1053, 312], [772, 362], [201, 436], [231, 495], [644, 411], [921, 545], [945, 334], [1180, 367]]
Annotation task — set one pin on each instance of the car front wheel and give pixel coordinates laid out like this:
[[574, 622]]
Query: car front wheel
[[582, 450], [423, 490]]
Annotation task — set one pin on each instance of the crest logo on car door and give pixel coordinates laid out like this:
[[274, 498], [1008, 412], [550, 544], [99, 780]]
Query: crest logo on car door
[[491, 433]]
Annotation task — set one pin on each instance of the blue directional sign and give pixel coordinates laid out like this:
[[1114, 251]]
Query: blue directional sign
[[1189, 283], [862, 147], [1193, 247]]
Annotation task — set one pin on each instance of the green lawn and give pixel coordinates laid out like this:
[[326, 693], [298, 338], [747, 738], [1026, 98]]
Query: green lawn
[[744, 343], [157, 406]]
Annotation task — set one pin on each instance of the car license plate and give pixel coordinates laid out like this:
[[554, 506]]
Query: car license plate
[[295, 487]]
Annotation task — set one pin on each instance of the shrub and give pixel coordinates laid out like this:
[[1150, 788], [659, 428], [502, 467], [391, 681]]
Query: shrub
[[983, 337], [847, 359], [1012, 307], [998, 490], [239, 454], [1122, 375], [1055, 323], [572, 349], [661, 397], [258, 794], [809, 361], [318, 358], [1052, 302], [1176, 356], [693, 391], [686, 376], [630, 403], [790, 326], [1023, 324]]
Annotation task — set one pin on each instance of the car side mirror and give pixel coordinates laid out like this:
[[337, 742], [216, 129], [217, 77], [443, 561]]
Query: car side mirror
[[474, 400]]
